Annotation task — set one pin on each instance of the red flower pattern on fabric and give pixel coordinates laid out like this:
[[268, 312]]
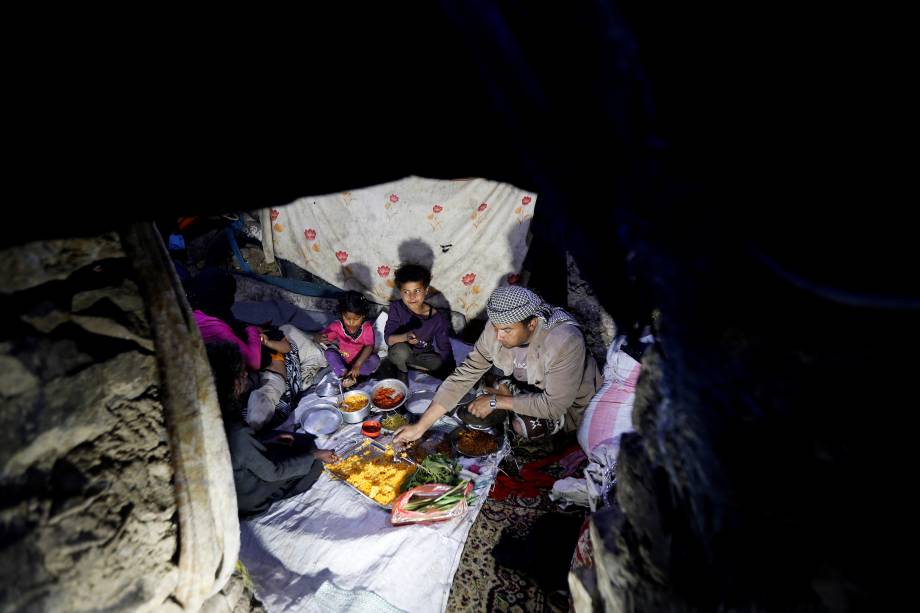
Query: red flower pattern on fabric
[[483, 207], [437, 208], [275, 214], [342, 256], [383, 271], [526, 200], [394, 198], [310, 234], [469, 279]]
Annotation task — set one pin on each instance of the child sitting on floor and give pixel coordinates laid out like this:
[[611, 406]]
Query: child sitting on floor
[[416, 332], [349, 341]]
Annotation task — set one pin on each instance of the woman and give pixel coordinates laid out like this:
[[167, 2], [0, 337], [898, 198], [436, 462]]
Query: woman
[[261, 476], [284, 359]]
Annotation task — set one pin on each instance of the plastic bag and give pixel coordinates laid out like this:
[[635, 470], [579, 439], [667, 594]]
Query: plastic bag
[[432, 491]]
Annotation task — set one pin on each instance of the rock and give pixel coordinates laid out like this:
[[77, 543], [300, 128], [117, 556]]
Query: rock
[[88, 513], [596, 322], [15, 380], [583, 587], [42, 261]]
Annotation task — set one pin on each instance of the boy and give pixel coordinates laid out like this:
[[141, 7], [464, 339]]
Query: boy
[[416, 332]]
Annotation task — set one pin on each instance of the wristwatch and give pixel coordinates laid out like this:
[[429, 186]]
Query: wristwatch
[[493, 402]]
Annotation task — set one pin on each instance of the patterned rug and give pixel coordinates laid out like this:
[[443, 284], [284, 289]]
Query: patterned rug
[[481, 584]]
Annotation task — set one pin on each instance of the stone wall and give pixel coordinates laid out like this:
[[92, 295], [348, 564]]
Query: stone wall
[[763, 474], [88, 513], [114, 472]]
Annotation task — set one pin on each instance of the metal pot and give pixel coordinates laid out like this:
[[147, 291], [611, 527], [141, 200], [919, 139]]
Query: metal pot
[[354, 417], [495, 419], [396, 384]]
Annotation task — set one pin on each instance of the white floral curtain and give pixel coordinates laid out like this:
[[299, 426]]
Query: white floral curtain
[[471, 233]]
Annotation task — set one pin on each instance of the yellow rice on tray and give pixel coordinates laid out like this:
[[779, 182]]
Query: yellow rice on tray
[[378, 478]]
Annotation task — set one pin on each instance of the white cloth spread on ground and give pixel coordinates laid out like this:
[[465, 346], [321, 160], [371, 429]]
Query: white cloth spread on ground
[[331, 549], [471, 234]]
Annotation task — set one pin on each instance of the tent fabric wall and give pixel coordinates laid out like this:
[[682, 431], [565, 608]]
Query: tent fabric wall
[[471, 233]]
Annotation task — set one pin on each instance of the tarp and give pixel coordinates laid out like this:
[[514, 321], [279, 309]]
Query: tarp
[[331, 549]]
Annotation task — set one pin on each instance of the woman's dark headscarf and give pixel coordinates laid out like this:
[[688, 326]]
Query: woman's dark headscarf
[[226, 365], [213, 292]]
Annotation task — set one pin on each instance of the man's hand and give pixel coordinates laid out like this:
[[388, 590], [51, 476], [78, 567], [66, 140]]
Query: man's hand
[[480, 407], [327, 456], [321, 339], [407, 434], [411, 338]]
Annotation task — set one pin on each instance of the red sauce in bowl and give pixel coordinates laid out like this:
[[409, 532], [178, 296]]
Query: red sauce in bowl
[[371, 429]]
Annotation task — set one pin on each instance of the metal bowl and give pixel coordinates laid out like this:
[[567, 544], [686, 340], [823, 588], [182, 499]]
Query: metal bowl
[[468, 397], [421, 400], [392, 383], [321, 419], [493, 420], [354, 417], [330, 385], [494, 433]]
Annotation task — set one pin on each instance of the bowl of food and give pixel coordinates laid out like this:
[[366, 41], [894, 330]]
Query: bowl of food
[[371, 429], [355, 406], [475, 443], [394, 421], [389, 394]]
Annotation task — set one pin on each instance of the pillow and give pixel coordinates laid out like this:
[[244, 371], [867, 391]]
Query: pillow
[[609, 414]]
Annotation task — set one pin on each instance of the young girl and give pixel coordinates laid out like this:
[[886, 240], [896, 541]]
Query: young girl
[[416, 332], [350, 340]]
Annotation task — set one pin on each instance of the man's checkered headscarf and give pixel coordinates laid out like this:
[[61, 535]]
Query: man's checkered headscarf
[[511, 304]]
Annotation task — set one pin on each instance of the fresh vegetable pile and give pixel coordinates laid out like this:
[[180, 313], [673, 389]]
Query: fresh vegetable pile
[[448, 499], [435, 468], [432, 502]]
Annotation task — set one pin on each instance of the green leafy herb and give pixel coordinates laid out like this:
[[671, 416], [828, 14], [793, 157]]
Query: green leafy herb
[[438, 468]]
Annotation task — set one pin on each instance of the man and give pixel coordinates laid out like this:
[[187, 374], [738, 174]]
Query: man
[[541, 349]]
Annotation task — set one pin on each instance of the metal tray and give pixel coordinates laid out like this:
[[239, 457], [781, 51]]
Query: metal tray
[[356, 446]]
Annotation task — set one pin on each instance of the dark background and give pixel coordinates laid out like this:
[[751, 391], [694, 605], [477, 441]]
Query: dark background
[[772, 130], [750, 173]]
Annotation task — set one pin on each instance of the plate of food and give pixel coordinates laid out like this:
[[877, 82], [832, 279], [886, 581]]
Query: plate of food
[[372, 469], [393, 421], [476, 443], [389, 394]]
